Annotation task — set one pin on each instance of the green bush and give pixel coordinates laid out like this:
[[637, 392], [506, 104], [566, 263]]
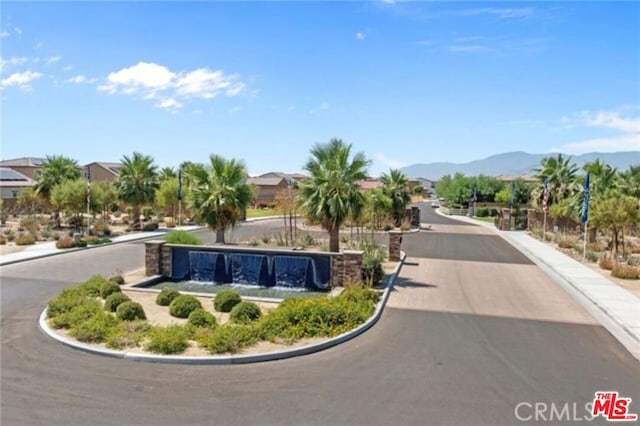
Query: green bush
[[230, 339], [166, 296], [108, 288], [201, 318], [591, 256], [127, 334], [93, 286], [82, 312], [225, 300], [372, 271], [80, 243], [114, 300], [68, 299], [95, 329], [25, 240], [245, 313], [172, 339], [130, 311], [182, 237], [118, 279], [183, 305], [358, 293]]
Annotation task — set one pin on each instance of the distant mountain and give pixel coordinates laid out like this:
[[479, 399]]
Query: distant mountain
[[515, 163]]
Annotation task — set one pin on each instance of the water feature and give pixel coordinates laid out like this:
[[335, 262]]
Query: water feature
[[292, 271], [249, 269]]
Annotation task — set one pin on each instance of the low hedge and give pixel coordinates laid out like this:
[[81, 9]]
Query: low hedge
[[166, 296], [183, 305], [128, 334], [172, 339], [225, 300], [108, 288], [95, 329], [231, 339], [201, 318], [245, 313], [130, 311], [182, 237], [114, 300]]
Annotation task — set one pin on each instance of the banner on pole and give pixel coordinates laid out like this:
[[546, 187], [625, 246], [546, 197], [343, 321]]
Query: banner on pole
[[180, 185], [585, 199], [545, 196]]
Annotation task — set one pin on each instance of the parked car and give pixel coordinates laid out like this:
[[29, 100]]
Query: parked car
[[435, 204]]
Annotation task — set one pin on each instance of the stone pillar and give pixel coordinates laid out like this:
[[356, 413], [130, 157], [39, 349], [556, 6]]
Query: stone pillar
[[395, 243], [352, 266], [337, 270], [415, 216], [165, 260], [153, 257]]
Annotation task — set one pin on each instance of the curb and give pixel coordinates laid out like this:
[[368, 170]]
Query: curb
[[232, 359]]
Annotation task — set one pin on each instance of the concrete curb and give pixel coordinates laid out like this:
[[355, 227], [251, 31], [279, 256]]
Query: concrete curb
[[232, 359]]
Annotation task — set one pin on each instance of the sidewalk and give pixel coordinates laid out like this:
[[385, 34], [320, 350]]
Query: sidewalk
[[37, 251], [615, 308]]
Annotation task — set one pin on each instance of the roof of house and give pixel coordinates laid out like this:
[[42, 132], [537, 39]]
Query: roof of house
[[112, 167], [11, 178], [266, 181], [22, 162], [286, 176], [370, 184]]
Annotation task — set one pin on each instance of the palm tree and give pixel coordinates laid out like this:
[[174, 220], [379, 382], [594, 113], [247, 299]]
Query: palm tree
[[137, 182], [330, 195], [220, 193], [602, 176], [629, 181], [167, 173], [396, 186], [55, 169], [560, 175]]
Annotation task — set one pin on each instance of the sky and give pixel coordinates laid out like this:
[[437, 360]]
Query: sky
[[263, 82]]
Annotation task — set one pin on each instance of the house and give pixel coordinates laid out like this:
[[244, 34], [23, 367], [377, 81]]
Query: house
[[369, 184], [428, 185], [102, 171], [266, 189], [293, 177], [27, 166], [11, 184]]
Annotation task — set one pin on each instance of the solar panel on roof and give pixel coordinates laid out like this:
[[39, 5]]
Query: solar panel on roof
[[11, 175]]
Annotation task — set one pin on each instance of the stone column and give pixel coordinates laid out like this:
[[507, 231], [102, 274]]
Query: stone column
[[415, 216], [352, 266], [165, 260], [337, 270], [153, 257], [395, 243]]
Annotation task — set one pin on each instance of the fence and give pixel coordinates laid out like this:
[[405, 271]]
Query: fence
[[455, 212]]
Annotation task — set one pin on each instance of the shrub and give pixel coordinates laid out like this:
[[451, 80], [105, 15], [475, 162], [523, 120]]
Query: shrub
[[95, 329], [150, 227], [81, 243], [114, 300], [359, 293], [182, 237], [65, 242], [83, 311], [482, 212], [166, 296], [607, 262], [117, 278], [253, 243], [564, 242], [93, 286], [230, 339], [225, 300], [305, 240], [3, 240], [170, 223], [183, 305], [266, 239], [591, 256], [68, 299], [167, 340], [147, 212], [628, 272], [30, 224], [108, 288], [75, 222], [127, 334], [25, 240], [11, 236], [245, 313], [372, 271], [596, 246], [130, 311], [201, 318]]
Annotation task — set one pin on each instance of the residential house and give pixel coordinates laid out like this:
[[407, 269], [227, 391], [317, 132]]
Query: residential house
[[369, 184], [27, 166], [11, 184], [102, 171], [266, 189]]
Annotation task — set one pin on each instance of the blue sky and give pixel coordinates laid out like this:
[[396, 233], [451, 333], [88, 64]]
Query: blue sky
[[405, 82]]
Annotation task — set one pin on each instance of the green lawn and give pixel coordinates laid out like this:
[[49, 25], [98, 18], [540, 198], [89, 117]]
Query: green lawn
[[484, 219], [261, 213]]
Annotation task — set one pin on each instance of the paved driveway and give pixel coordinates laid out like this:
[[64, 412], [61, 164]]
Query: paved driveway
[[466, 337]]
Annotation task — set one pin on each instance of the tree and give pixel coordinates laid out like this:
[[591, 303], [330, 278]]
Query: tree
[[54, 170], [396, 186], [167, 173], [616, 212], [70, 196], [220, 193], [104, 196], [285, 201], [380, 206], [629, 181], [167, 195], [330, 195], [29, 201], [560, 175], [137, 182], [521, 190]]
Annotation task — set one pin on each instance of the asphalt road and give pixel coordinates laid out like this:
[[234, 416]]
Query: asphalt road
[[457, 358]]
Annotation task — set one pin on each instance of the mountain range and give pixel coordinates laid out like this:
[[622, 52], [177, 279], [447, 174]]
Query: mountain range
[[515, 163]]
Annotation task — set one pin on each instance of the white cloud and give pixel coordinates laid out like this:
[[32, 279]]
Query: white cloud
[[170, 105], [154, 81], [53, 59], [20, 79], [16, 60], [468, 48], [235, 109], [322, 107], [502, 13], [67, 68], [389, 162], [80, 79], [360, 35], [626, 126], [4, 34]]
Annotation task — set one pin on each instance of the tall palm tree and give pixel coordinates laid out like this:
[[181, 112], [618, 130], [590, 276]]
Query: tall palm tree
[[330, 195], [137, 182], [54, 170], [602, 176], [560, 175], [396, 186], [167, 173], [629, 181], [219, 194]]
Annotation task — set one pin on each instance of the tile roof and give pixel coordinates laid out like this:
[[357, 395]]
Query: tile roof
[[22, 162]]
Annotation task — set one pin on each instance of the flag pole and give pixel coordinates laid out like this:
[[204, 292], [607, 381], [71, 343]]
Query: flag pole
[[88, 199], [180, 197], [585, 214], [584, 243]]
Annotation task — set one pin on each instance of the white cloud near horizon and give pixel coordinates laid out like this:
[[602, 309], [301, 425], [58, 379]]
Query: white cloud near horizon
[[152, 81], [389, 162], [52, 59], [627, 126], [80, 79], [21, 80]]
